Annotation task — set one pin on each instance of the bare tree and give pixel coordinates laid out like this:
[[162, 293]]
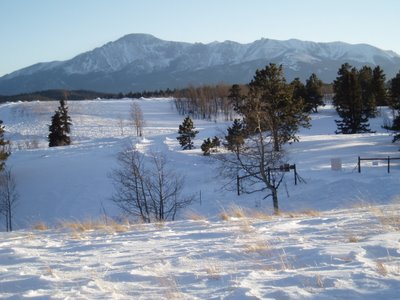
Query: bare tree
[[254, 163], [137, 118], [8, 197], [121, 124], [146, 188]]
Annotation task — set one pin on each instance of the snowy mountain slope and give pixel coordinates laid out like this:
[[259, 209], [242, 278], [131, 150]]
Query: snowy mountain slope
[[122, 64]]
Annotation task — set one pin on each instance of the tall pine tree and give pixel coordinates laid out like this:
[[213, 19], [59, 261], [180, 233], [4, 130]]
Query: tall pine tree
[[235, 137], [186, 134], [349, 102], [60, 127], [270, 106], [379, 86], [395, 105], [314, 95]]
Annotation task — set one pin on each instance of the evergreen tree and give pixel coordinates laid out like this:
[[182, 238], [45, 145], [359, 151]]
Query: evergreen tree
[[235, 96], [60, 127], [349, 102], [368, 98], [210, 145], [395, 105], [4, 147], [313, 91], [235, 137], [379, 86], [300, 93], [186, 134], [270, 106], [206, 146]]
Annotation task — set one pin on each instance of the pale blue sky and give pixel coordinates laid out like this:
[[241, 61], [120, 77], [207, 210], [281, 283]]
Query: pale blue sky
[[33, 31]]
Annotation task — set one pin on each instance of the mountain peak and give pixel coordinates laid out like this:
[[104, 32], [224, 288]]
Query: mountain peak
[[142, 61]]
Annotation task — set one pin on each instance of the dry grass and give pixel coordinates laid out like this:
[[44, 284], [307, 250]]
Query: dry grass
[[82, 226], [300, 214], [234, 212], [319, 281], [381, 268], [107, 225], [353, 239], [246, 226], [260, 216], [40, 226], [172, 290], [238, 212], [195, 216], [388, 217], [49, 271], [391, 220], [257, 247], [213, 271], [224, 216]]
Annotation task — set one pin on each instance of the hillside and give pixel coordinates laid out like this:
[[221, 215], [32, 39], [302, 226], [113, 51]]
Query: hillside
[[338, 237], [73, 182], [138, 62]]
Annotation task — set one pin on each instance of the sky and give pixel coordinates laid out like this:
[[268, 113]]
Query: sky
[[33, 31]]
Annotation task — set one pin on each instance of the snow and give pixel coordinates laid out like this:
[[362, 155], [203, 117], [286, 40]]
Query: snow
[[149, 53], [339, 237]]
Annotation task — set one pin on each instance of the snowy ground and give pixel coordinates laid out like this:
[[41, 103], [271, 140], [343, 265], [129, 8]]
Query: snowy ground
[[346, 245]]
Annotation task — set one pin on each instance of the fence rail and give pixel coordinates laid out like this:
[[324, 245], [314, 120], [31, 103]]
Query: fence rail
[[388, 159]]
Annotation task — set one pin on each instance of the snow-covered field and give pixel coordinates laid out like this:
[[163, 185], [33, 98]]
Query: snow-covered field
[[339, 240]]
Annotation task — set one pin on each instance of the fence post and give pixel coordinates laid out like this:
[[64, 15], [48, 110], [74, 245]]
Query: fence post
[[359, 165], [388, 164], [295, 174]]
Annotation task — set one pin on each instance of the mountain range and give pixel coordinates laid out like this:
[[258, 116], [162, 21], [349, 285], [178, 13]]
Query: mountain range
[[138, 62]]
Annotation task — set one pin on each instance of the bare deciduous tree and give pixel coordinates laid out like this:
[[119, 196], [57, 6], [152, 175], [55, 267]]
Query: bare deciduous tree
[[8, 197], [137, 118], [146, 188], [121, 124], [255, 163]]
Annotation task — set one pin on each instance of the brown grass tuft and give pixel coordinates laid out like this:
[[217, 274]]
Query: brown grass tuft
[[381, 268], [257, 247], [195, 216], [40, 226]]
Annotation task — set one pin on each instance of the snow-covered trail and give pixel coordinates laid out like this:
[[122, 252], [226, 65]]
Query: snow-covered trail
[[347, 254]]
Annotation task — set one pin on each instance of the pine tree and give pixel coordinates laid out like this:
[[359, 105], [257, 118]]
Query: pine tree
[[60, 127], [270, 106], [210, 145], [4, 147], [368, 98], [314, 95], [395, 105], [235, 96], [186, 134], [379, 86], [206, 146], [235, 137], [348, 101]]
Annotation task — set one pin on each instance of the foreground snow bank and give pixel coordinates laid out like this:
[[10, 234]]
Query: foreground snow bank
[[340, 254]]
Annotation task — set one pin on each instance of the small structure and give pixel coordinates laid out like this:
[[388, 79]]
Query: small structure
[[336, 164]]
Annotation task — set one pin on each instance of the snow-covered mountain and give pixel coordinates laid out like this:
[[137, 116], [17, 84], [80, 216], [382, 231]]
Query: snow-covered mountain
[[140, 61]]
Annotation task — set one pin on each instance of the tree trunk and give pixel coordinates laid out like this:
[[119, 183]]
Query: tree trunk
[[9, 220], [275, 200]]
